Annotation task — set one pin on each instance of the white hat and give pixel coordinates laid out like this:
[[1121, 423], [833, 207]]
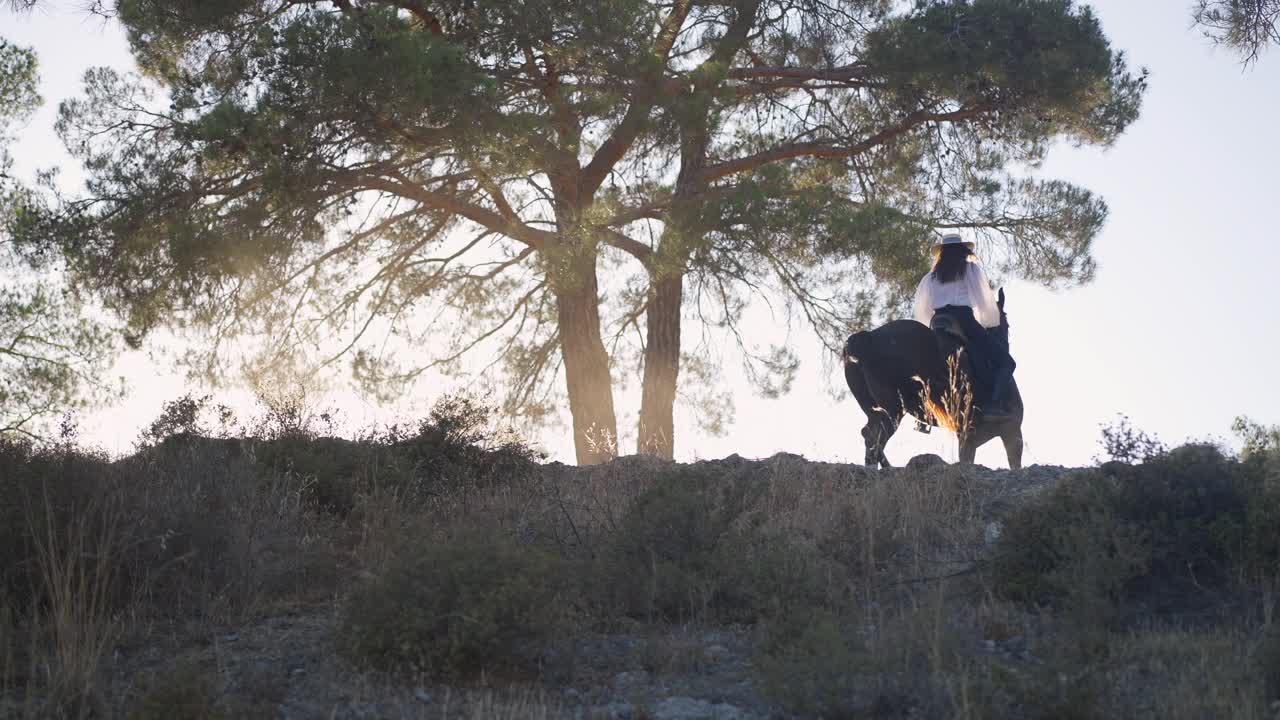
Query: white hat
[[950, 239]]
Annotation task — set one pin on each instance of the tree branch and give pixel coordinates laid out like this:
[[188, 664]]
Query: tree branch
[[512, 228], [843, 73], [635, 248], [636, 118], [822, 149]]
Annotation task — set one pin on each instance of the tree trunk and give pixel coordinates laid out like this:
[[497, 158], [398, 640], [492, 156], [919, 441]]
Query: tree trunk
[[586, 366], [661, 369]]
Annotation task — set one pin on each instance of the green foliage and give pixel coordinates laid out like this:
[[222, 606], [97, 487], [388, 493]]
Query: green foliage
[[1168, 536], [1258, 440], [18, 94], [1246, 26], [1045, 66], [457, 447], [1124, 443], [54, 355], [455, 607], [180, 416], [52, 358], [809, 666]]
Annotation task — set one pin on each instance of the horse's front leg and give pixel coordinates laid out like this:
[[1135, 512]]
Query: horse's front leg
[[972, 440]]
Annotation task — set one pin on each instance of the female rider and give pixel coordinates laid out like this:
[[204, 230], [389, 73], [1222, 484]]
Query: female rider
[[956, 286]]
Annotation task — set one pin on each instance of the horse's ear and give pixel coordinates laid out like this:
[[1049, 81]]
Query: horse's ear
[[1000, 301]]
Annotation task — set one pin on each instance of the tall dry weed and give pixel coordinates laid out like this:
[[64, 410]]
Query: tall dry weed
[[75, 621]]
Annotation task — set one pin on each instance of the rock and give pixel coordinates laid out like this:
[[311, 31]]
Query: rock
[[616, 711], [1026, 657], [716, 654], [992, 532], [1016, 644], [928, 460], [685, 708], [630, 681]]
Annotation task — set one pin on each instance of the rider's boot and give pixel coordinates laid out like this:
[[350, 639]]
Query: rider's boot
[[997, 407]]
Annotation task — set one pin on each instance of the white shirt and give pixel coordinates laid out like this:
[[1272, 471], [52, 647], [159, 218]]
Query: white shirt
[[971, 290]]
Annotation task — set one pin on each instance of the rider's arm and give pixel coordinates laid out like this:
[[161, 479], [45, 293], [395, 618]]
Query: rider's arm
[[983, 298], [924, 302]]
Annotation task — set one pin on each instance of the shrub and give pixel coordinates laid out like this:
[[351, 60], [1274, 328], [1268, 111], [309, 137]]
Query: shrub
[[187, 415], [1126, 444], [195, 527], [692, 547], [889, 663], [810, 666], [456, 448], [454, 607], [660, 561], [1167, 535]]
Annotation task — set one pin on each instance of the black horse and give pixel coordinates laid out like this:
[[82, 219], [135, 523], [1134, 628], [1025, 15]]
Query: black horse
[[904, 367]]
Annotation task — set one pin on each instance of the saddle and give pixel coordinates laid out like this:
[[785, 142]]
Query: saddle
[[944, 324]]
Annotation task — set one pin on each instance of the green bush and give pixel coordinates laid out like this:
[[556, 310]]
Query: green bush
[[690, 547], [453, 449], [1257, 439], [809, 665], [455, 607], [1167, 536]]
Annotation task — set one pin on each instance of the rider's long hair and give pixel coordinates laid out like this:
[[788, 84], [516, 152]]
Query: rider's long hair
[[952, 263]]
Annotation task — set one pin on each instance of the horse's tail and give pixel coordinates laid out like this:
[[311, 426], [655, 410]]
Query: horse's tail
[[856, 348]]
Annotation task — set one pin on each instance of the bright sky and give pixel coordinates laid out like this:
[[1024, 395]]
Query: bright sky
[[1177, 330]]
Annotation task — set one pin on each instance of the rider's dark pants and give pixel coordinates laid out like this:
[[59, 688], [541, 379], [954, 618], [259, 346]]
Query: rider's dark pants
[[985, 351]]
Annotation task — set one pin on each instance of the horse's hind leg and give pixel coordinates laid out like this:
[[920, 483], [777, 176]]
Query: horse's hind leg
[[969, 448], [875, 435], [885, 418], [879, 427], [1012, 440]]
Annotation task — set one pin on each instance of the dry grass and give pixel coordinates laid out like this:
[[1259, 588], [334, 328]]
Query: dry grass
[[1188, 674], [77, 569], [97, 552], [519, 705], [952, 408]]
